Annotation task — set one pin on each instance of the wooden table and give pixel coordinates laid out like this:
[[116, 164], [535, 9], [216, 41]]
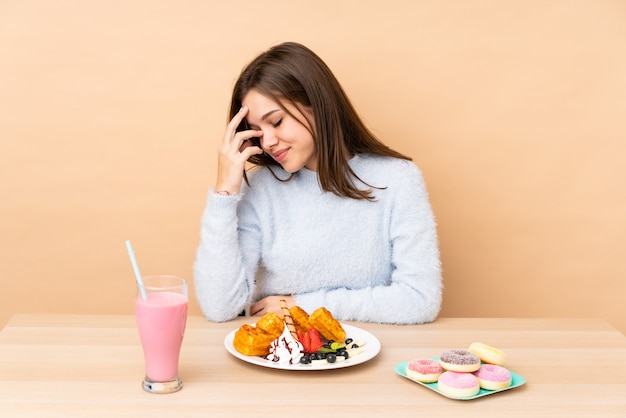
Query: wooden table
[[92, 366]]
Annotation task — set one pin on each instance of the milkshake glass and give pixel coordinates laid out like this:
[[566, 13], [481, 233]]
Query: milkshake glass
[[161, 319]]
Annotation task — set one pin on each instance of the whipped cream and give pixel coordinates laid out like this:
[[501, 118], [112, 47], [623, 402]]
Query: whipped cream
[[285, 349]]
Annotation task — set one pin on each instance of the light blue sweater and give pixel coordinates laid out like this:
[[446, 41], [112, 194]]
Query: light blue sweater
[[364, 261]]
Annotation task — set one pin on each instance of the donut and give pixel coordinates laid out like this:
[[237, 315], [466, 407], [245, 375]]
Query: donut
[[487, 354], [424, 370], [458, 385], [493, 377], [459, 361]]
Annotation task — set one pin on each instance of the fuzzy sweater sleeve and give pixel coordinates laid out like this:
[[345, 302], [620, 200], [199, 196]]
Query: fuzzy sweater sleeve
[[223, 276]]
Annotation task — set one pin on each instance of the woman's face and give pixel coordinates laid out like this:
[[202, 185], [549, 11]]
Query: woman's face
[[285, 138]]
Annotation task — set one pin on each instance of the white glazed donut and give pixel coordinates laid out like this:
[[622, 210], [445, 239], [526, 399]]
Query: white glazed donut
[[487, 353]]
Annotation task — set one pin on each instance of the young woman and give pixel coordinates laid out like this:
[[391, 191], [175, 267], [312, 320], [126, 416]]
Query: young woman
[[328, 215]]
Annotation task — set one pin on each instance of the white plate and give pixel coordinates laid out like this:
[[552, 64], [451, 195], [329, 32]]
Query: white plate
[[371, 349]]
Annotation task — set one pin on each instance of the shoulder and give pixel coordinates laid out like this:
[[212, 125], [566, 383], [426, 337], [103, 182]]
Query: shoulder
[[391, 170], [377, 162]]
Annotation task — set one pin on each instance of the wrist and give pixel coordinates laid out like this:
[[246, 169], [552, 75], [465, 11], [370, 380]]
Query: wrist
[[225, 190]]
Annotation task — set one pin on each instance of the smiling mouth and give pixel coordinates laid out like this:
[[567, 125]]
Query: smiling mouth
[[281, 154]]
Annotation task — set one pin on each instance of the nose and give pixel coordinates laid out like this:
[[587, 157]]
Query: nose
[[268, 140]]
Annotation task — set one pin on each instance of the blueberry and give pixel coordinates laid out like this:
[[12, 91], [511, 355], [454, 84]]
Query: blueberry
[[343, 353], [354, 346], [320, 356], [313, 356], [305, 360], [349, 340], [331, 357]]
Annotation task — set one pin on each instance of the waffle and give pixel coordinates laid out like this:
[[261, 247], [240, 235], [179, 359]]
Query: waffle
[[322, 320]]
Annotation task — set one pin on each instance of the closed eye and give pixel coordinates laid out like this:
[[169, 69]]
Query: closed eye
[[277, 123]]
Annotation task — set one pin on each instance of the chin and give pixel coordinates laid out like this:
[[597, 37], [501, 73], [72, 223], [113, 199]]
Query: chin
[[292, 169]]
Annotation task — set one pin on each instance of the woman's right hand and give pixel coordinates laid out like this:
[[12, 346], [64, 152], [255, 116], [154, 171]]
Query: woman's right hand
[[233, 153]]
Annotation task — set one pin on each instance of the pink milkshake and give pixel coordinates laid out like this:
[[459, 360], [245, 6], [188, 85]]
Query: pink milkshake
[[161, 320]]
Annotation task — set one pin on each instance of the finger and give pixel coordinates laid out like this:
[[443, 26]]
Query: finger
[[253, 148], [231, 128], [250, 136], [255, 309], [236, 120]]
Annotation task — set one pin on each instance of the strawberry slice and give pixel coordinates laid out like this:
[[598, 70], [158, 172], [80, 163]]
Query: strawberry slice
[[305, 340], [315, 339]]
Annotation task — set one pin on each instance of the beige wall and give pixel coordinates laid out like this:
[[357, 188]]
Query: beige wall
[[110, 112]]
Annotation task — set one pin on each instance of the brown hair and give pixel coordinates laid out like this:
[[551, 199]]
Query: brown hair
[[294, 73]]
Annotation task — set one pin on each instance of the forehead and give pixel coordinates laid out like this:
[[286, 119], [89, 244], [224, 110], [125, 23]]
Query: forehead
[[261, 107], [258, 104]]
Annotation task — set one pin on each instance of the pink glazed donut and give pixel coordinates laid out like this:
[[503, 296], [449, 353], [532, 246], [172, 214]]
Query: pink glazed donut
[[493, 377], [424, 370], [458, 385]]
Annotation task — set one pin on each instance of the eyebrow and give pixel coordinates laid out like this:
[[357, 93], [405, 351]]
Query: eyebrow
[[265, 116]]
